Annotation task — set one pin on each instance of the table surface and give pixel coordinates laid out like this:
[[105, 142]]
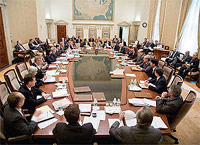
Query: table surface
[[103, 130]]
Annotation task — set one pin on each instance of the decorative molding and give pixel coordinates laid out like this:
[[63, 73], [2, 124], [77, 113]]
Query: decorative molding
[[3, 3], [49, 21], [124, 24], [93, 24], [136, 23], [61, 22]]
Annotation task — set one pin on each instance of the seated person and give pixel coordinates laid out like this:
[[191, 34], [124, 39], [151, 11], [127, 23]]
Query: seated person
[[139, 59], [159, 84], [49, 57], [15, 123], [116, 47], [58, 51], [99, 39], [19, 47], [174, 54], [32, 46], [115, 39], [132, 54], [154, 65], [78, 40], [142, 133], [121, 49], [123, 42], [85, 43], [39, 82], [73, 132], [44, 65], [91, 39], [107, 44], [180, 61], [145, 66], [192, 65], [73, 39], [30, 92], [97, 44], [170, 103], [53, 54], [38, 65]]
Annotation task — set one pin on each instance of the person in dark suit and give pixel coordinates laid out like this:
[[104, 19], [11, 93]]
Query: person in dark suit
[[145, 66], [49, 57], [30, 92], [115, 46], [38, 64], [132, 54], [107, 43], [32, 46], [33, 70], [73, 39], [15, 123], [170, 103], [154, 65], [121, 49], [99, 39], [85, 43], [173, 55], [123, 42], [73, 132], [142, 133], [58, 51], [139, 58], [115, 39], [91, 39], [180, 61], [78, 40], [192, 65], [159, 84], [19, 47]]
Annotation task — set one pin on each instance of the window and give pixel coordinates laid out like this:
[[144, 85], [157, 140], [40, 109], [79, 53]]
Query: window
[[79, 31], [106, 32], [189, 33], [156, 34]]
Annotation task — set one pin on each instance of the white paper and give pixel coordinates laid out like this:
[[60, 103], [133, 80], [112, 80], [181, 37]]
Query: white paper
[[112, 110], [60, 113], [43, 116], [130, 75], [95, 122], [45, 108], [143, 86], [57, 62], [52, 73], [85, 107], [134, 88], [60, 93], [118, 72], [50, 79], [142, 102], [112, 121], [150, 102], [158, 123], [46, 123], [39, 96], [64, 102], [129, 114], [101, 115], [52, 66]]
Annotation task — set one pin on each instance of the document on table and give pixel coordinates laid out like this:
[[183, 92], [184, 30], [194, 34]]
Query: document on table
[[101, 115], [85, 107], [45, 108], [130, 118], [52, 73], [142, 102], [44, 116], [50, 79], [95, 122], [130, 75], [46, 123], [158, 123], [52, 66], [112, 121]]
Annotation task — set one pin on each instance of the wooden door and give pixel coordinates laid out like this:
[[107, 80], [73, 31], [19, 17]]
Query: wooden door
[[3, 49], [61, 32]]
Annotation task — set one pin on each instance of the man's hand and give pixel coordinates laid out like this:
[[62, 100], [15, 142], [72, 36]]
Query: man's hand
[[121, 116], [164, 94], [46, 96], [37, 113], [158, 97]]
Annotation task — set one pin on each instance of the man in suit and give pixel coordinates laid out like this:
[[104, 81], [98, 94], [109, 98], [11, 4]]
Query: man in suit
[[116, 46], [123, 42], [115, 39], [121, 49], [173, 55], [170, 103], [73, 132], [32, 46], [58, 51], [85, 43], [49, 57], [19, 47], [30, 92], [139, 58], [192, 65], [180, 61], [91, 39], [38, 65], [132, 54], [78, 40], [142, 133], [107, 44], [145, 66], [73, 39], [15, 123], [159, 84], [154, 65]]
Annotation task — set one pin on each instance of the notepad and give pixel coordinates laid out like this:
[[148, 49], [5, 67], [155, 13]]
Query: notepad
[[63, 102], [158, 123], [46, 123], [85, 108], [134, 88], [60, 93], [130, 118], [52, 66], [44, 116], [95, 122], [50, 79], [45, 108], [101, 115], [142, 102], [134, 68]]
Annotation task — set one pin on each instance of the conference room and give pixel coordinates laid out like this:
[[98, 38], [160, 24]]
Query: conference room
[[99, 71]]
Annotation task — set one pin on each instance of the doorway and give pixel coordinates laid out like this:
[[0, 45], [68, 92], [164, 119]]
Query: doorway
[[61, 32], [3, 50], [124, 33]]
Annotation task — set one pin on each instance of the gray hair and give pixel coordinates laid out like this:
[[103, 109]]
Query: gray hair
[[144, 117], [175, 90], [32, 69], [52, 48], [147, 57]]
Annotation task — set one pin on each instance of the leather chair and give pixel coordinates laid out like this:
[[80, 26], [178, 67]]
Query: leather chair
[[4, 92], [22, 70], [187, 104], [6, 140], [31, 61], [178, 80], [168, 71], [12, 80], [161, 63]]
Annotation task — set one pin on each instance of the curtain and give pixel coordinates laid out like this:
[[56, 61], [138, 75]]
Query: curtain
[[189, 33]]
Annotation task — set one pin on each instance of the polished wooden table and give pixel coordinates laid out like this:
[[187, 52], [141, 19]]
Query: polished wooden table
[[103, 130], [158, 52]]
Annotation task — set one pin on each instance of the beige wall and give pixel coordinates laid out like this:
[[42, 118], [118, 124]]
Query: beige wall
[[22, 17]]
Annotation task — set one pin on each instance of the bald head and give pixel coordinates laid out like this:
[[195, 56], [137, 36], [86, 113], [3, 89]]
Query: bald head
[[16, 100]]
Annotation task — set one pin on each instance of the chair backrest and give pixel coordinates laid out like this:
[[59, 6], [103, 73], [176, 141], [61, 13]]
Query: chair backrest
[[32, 60], [12, 80], [4, 92], [2, 135], [91, 44], [168, 71], [161, 63], [178, 80], [22, 70], [26, 46], [187, 104]]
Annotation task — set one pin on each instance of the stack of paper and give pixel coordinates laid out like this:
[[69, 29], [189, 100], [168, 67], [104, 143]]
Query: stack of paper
[[60, 93], [63, 102], [158, 123], [130, 118], [57, 62], [52, 66], [52, 73], [112, 109], [95, 122], [130, 75], [134, 88], [50, 79], [117, 72], [46, 123], [142, 102], [45, 108], [85, 108], [70, 56], [44, 116], [112, 121]]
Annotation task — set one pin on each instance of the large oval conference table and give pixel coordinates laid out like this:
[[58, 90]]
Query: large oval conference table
[[93, 70]]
